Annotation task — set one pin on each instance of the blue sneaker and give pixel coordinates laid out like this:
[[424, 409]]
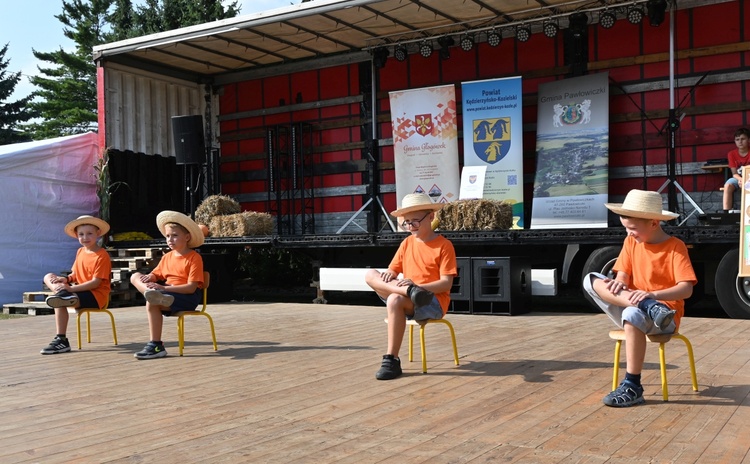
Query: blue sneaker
[[627, 394], [151, 350]]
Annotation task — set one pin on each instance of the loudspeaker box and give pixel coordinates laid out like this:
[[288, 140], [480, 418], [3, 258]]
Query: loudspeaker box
[[189, 147]]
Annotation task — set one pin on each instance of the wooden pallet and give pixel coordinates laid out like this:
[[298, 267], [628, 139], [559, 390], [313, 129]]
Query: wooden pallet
[[35, 297], [31, 309], [149, 253], [135, 264]]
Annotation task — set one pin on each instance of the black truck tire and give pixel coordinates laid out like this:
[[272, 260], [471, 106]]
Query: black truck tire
[[601, 260], [732, 290]]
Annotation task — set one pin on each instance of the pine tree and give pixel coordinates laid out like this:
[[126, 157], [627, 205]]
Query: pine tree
[[11, 113], [66, 95]]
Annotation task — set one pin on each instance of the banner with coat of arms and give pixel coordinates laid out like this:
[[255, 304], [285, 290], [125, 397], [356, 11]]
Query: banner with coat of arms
[[493, 137], [425, 142], [572, 151]]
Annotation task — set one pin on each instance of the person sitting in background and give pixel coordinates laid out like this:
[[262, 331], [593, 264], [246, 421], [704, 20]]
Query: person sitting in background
[[736, 159]]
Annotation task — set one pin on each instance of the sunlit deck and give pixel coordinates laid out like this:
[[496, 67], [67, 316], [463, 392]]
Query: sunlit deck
[[295, 383]]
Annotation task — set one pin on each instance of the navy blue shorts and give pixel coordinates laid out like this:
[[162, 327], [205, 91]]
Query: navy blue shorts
[[86, 300], [184, 302]]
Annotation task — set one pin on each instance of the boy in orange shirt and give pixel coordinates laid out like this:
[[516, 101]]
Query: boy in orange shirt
[[654, 277], [87, 286], [180, 270], [428, 264]]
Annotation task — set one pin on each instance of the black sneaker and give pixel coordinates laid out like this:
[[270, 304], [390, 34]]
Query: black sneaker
[[627, 394], [151, 350], [57, 345], [61, 299], [419, 296], [661, 315], [389, 369]]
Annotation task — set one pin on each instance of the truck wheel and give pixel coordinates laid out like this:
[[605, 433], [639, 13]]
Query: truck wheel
[[732, 290], [601, 260]]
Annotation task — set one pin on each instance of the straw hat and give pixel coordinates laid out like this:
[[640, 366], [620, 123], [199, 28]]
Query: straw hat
[[416, 202], [641, 204], [70, 228], [168, 217]]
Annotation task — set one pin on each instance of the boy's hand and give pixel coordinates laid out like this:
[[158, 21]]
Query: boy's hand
[[615, 286], [388, 275], [145, 278]]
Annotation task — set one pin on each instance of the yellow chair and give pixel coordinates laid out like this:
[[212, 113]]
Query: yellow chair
[[87, 312], [182, 314], [661, 339], [422, 324]]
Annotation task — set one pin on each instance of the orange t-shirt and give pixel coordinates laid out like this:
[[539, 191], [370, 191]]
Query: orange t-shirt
[[177, 269], [87, 266], [656, 266], [425, 262]]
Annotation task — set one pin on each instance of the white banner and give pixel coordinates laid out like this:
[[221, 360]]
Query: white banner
[[425, 142], [572, 147]]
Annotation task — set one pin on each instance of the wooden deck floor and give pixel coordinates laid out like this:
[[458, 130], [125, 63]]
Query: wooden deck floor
[[294, 383]]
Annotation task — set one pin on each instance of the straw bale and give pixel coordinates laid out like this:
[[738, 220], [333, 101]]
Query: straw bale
[[481, 214], [215, 205], [241, 224]]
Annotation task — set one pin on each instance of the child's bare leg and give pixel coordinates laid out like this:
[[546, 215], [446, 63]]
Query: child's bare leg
[[61, 320], [635, 349], [155, 321], [396, 322], [728, 199], [135, 280], [374, 279]]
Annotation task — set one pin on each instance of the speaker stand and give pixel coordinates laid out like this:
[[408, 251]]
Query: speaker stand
[[359, 211]]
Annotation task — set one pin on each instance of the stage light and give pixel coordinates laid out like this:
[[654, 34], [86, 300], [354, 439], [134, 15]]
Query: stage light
[[635, 14], [607, 19], [523, 33], [400, 53], [550, 29], [467, 43], [425, 49], [445, 43], [578, 24], [494, 39], [379, 57], [656, 10]]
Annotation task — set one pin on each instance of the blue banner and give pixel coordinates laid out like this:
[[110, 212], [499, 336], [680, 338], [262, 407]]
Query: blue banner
[[493, 137]]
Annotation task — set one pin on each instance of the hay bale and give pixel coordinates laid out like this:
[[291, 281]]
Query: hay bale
[[215, 205], [241, 224], [481, 214]]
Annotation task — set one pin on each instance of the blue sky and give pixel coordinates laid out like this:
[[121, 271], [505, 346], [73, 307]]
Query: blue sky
[[31, 24]]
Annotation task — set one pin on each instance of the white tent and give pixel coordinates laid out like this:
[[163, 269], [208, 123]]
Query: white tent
[[44, 185]]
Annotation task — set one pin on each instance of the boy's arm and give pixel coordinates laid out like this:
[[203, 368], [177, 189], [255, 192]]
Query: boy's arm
[[680, 291], [441, 285], [90, 285]]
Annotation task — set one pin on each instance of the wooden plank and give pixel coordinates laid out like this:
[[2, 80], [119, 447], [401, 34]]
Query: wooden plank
[[295, 383]]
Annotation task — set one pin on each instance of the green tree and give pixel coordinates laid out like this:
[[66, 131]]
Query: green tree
[[11, 113], [65, 99]]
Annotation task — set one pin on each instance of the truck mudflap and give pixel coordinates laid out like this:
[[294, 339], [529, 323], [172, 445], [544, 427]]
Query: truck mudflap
[[732, 291]]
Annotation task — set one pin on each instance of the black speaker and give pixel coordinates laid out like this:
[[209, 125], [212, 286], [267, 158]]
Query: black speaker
[[189, 147]]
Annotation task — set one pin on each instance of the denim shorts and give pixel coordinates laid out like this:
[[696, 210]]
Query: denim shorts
[[619, 315], [433, 310], [733, 180]]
